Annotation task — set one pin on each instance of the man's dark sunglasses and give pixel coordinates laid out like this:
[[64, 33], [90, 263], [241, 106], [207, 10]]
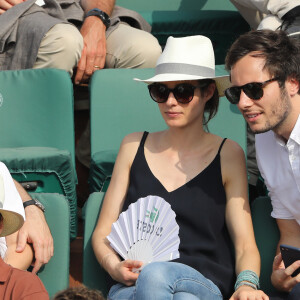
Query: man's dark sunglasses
[[183, 92], [254, 90]]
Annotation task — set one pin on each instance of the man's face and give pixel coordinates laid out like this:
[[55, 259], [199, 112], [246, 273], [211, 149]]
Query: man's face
[[270, 111]]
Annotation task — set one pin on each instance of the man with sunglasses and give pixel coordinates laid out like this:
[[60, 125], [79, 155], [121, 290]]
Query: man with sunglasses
[[265, 75]]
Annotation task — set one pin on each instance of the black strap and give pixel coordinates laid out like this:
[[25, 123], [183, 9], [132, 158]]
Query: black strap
[[144, 138], [220, 148], [29, 202]]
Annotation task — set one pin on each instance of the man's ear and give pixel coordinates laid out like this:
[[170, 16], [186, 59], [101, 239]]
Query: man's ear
[[292, 85]]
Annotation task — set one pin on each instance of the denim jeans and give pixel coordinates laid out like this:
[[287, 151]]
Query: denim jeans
[[167, 280]]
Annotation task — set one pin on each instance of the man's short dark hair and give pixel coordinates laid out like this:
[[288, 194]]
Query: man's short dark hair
[[281, 53]]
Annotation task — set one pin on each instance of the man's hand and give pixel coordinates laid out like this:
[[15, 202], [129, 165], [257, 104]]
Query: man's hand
[[36, 232], [281, 278], [94, 49], [7, 4]]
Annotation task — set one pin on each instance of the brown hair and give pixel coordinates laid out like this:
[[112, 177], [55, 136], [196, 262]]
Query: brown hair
[[211, 106], [79, 293], [281, 53]]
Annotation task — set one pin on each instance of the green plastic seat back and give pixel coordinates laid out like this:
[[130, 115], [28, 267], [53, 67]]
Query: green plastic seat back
[[119, 106], [176, 5], [218, 20], [37, 131], [267, 237], [37, 109], [55, 274], [93, 274]]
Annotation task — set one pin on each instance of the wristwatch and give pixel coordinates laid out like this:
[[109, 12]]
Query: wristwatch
[[34, 202], [101, 15]]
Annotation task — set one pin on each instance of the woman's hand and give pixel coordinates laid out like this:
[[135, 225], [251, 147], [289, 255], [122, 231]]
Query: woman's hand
[[281, 278], [123, 272], [248, 293]]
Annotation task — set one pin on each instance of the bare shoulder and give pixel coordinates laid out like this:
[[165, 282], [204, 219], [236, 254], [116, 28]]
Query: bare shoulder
[[129, 146], [232, 150]]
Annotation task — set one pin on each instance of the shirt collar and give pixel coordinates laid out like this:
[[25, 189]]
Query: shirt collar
[[295, 135]]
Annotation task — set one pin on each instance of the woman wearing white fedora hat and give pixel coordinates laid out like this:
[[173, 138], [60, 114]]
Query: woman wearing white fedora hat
[[203, 178]]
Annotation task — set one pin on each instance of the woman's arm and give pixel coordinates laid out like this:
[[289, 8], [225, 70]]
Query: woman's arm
[[18, 260], [111, 209], [238, 215]]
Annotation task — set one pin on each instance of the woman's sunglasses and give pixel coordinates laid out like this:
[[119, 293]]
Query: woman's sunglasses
[[254, 90], [183, 92]]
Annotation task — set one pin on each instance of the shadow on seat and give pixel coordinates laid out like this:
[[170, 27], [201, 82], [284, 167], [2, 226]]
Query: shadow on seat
[[267, 237], [55, 274]]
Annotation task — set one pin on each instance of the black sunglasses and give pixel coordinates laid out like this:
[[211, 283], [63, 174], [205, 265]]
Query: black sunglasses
[[254, 90], [183, 92]]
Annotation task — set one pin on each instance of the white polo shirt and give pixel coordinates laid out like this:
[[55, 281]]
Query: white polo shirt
[[279, 165], [12, 200]]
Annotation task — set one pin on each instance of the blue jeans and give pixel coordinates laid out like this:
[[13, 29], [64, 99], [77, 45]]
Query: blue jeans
[[167, 280]]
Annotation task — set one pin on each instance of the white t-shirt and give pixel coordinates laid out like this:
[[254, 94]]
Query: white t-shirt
[[12, 201], [279, 164]]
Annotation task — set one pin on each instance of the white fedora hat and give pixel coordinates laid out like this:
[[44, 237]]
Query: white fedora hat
[[188, 58], [12, 221]]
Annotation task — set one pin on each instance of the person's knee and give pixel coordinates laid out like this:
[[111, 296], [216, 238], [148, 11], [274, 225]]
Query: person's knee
[[60, 48], [129, 47], [154, 274], [145, 51]]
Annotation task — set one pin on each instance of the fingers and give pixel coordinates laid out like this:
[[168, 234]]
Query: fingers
[[277, 262], [5, 5], [21, 241], [292, 268], [81, 66], [43, 253]]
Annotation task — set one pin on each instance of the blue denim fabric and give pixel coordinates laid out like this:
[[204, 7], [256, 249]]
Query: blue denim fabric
[[167, 280]]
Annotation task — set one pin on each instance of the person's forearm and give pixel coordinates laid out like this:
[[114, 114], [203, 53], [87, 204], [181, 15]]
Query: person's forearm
[[248, 259], [17, 260], [105, 5], [24, 195]]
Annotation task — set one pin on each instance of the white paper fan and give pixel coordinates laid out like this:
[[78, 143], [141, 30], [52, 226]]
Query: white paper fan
[[146, 231]]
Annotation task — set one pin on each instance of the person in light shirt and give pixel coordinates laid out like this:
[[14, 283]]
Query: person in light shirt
[[264, 69]]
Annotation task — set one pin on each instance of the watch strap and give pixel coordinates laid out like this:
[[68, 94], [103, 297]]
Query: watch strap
[[103, 16], [34, 202], [28, 202]]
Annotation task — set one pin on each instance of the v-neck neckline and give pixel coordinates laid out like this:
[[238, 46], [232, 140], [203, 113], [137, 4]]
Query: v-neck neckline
[[183, 185]]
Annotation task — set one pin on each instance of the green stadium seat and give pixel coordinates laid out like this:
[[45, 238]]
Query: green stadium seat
[[93, 275], [218, 20], [267, 237], [55, 274], [37, 132], [137, 112]]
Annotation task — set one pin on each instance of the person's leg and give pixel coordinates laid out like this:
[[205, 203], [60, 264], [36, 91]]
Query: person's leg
[[60, 48], [295, 293], [165, 280], [249, 12], [121, 292], [264, 14], [128, 47]]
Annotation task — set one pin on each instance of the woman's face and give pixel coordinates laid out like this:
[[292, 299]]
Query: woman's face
[[177, 114]]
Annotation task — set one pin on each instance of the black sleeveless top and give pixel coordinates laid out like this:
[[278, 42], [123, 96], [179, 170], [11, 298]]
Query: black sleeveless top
[[199, 205]]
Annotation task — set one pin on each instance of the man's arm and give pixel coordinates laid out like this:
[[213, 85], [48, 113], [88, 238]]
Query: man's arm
[[281, 276], [94, 40], [34, 231]]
